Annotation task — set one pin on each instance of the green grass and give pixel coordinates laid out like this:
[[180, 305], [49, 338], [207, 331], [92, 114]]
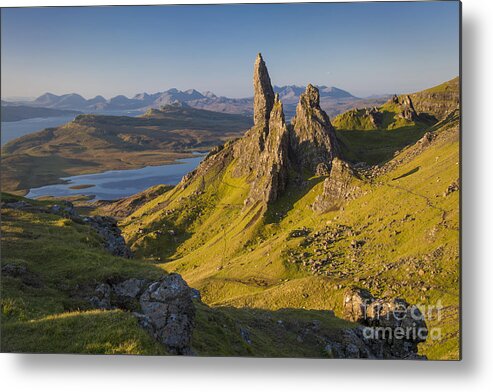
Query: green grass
[[66, 259], [89, 332], [410, 231], [241, 258], [270, 334]]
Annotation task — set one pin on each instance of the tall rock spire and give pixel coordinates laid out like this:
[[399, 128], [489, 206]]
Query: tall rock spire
[[313, 138], [271, 174], [263, 94]]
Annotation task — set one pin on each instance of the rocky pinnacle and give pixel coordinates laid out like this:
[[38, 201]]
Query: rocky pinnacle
[[263, 99], [313, 138]]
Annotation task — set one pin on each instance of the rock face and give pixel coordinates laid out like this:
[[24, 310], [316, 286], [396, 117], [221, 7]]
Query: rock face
[[391, 328], [249, 148], [438, 101], [169, 314], [375, 116], [313, 139], [164, 307], [263, 99], [408, 111], [338, 187], [272, 170], [268, 151], [273, 154], [108, 229]]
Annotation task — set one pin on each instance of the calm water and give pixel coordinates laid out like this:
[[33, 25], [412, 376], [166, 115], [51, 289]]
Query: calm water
[[115, 184], [13, 130]]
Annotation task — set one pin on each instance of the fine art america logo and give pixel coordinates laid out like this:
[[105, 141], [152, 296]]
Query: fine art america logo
[[398, 320]]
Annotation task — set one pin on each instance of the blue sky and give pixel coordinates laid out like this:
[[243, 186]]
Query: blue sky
[[365, 48]]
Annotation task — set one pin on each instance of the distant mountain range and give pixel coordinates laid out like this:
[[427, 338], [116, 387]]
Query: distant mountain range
[[333, 100]]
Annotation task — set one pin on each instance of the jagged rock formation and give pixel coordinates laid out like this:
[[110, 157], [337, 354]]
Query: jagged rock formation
[[438, 101], [272, 170], [163, 307], [376, 117], [263, 99], [272, 154], [338, 187], [271, 148], [408, 111], [313, 139], [391, 327]]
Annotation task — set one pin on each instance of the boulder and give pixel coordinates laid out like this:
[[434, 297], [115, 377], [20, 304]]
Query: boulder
[[168, 313], [391, 328], [338, 187]]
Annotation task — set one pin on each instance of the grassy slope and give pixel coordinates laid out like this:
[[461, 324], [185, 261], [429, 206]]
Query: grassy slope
[[94, 143], [62, 255], [236, 263], [66, 257]]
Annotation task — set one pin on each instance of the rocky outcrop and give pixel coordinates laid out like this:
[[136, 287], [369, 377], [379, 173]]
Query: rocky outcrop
[[438, 101], [390, 328], [375, 116], [272, 154], [105, 226], [247, 150], [338, 187], [164, 307], [109, 231], [313, 140], [262, 154], [168, 313], [271, 175], [263, 98], [22, 273], [408, 112]]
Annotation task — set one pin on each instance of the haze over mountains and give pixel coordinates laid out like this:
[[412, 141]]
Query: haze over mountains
[[333, 100]]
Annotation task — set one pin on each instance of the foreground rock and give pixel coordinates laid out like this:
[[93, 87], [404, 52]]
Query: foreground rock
[[163, 307], [390, 328], [168, 313]]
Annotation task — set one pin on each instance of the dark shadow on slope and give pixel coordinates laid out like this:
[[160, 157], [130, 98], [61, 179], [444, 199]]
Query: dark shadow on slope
[[412, 171], [377, 147], [294, 192], [253, 332]]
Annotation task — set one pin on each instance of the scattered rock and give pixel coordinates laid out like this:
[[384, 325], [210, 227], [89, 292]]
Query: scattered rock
[[454, 187]]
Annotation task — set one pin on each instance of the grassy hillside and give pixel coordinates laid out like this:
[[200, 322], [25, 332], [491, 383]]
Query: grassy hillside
[[268, 274], [399, 238], [93, 143], [44, 310], [439, 100]]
